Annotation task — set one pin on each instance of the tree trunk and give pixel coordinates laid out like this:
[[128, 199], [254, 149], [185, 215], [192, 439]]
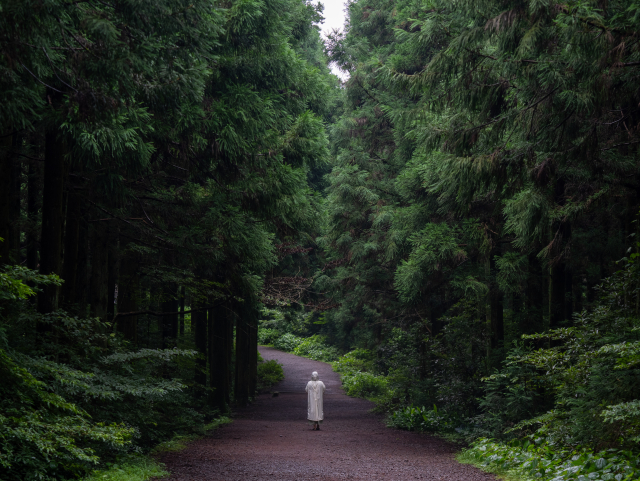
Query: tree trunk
[[495, 311], [52, 219], [230, 350], [182, 301], [219, 317], [497, 319], [33, 205], [556, 295], [71, 240], [99, 291], [242, 356], [253, 349], [199, 323], [128, 289], [561, 231], [568, 293], [15, 208], [114, 272], [560, 305], [82, 274], [169, 321], [5, 197], [578, 289], [534, 320]]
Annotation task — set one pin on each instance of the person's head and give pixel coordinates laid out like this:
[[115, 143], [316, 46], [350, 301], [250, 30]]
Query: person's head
[[314, 376]]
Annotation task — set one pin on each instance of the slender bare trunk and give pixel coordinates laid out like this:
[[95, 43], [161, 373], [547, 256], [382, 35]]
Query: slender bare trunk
[[219, 317], [52, 219], [199, 323], [99, 291], [5, 197]]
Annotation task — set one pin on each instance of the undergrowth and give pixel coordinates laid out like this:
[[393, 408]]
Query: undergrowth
[[269, 373], [143, 468], [465, 457], [313, 347], [131, 468], [541, 460]]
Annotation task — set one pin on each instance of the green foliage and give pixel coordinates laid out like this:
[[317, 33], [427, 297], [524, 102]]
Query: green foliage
[[287, 342], [355, 368], [538, 459], [176, 443], [61, 418], [315, 348], [354, 361], [130, 468], [577, 368], [365, 384], [268, 336], [135, 467], [189, 137], [269, 373], [14, 279], [217, 422], [421, 419], [288, 320], [468, 206]]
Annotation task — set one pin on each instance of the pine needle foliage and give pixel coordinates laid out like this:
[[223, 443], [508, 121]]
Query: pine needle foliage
[[484, 182]]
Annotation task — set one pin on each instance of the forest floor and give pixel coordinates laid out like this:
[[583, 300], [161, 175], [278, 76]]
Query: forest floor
[[271, 440]]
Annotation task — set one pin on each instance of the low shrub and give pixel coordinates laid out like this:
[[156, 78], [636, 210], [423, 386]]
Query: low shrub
[[421, 419], [287, 342], [268, 336], [269, 373], [364, 384], [315, 348], [136, 467], [544, 461], [354, 361]]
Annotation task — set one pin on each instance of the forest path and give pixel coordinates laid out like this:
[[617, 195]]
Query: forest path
[[271, 440]]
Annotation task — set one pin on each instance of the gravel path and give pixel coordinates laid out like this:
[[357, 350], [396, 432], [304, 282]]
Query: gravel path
[[271, 440]]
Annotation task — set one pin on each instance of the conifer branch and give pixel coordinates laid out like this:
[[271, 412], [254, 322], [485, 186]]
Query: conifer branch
[[35, 77], [620, 145], [54, 70]]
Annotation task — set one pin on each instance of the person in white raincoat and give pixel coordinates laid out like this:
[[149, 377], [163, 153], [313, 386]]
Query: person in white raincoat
[[315, 390]]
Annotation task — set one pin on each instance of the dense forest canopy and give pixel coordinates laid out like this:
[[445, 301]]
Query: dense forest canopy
[[484, 184], [179, 178], [151, 152]]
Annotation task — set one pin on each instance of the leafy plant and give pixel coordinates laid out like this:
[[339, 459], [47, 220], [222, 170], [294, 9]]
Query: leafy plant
[[421, 419], [535, 458], [315, 348], [365, 384], [61, 419], [287, 342], [268, 336], [354, 361], [269, 373]]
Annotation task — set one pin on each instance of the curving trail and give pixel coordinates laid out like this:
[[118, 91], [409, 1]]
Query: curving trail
[[271, 440]]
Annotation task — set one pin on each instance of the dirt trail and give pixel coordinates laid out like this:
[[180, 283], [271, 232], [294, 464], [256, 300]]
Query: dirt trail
[[270, 440]]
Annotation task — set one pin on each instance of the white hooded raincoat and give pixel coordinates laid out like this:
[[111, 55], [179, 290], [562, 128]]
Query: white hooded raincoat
[[315, 390]]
